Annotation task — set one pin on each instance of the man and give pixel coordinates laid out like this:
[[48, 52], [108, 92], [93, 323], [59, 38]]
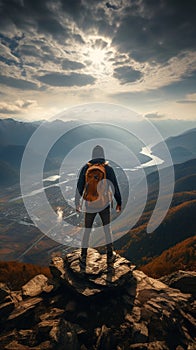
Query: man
[[103, 208]]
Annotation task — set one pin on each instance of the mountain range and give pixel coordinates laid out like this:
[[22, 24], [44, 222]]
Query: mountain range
[[14, 136], [178, 226], [182, 147]]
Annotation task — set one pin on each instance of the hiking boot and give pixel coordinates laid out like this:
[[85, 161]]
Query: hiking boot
[[111, 257], [82, 260]]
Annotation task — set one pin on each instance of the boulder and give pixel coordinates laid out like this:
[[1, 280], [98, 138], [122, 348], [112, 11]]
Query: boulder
[[36, 286], [161, 309]]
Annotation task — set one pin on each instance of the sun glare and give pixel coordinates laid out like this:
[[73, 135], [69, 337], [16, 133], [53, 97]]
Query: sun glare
[[96, 55]]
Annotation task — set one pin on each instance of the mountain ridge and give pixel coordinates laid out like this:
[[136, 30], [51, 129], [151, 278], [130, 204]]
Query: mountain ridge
[[182, 256], [182, 147]]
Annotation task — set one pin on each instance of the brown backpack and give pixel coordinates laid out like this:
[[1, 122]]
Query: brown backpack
[[96, 188]]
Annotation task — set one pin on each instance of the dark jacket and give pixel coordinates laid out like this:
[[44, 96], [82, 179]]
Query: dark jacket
[[110, 175]]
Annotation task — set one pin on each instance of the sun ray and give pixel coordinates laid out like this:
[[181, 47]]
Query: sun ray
[[96, 56]]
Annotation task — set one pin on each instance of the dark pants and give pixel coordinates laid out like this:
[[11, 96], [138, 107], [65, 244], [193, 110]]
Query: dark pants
[[89, 219]]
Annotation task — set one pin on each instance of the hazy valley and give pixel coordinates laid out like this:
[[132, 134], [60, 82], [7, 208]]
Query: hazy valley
[[22, 240]]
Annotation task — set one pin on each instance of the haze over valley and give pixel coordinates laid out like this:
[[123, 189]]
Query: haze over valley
[[22, 240]]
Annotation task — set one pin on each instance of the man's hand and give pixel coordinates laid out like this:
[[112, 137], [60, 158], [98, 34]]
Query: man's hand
[[118, 208], [78, 208]]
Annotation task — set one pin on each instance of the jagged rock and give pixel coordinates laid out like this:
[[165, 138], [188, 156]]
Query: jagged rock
[[106, 340], [185, 281], [43, 329], [161, 308], [23, 314], [5, 310], [57, 267], [51, 314], [16, 346], [128, 311], [6, 302], [140, 333], [157, 345], [25, 335], [4, 293], [16, 296], [46, 345], [36, 286], [96, 277], [8, 337], [63, 334]]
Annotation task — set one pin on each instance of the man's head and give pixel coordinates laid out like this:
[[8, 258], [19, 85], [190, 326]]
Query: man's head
[[98, 152]]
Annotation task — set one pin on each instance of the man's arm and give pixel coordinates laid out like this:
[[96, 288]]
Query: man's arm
[[80, 186], [112, 177]]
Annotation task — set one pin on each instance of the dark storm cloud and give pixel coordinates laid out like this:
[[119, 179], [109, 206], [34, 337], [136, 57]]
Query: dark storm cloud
[[32, 14], [146, 30], [140, 29], [18, 83], [54, 18], [29, 50], [127, 74], [73, 7], [90, 16], [157, 31], [73, 79], [72, 65], [39, 51], [52, 26]]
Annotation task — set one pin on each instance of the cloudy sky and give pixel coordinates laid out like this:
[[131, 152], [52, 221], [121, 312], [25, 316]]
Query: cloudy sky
[[61, 53]]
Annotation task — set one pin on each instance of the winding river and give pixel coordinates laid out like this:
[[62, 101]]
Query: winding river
[[72, 176]]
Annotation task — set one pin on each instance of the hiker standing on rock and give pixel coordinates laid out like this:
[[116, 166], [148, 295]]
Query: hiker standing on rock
[[94, 183]]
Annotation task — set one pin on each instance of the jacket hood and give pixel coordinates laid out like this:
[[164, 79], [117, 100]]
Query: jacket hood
[[98, 152]]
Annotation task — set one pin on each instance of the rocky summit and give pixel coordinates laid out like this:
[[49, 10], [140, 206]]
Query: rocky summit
[[95, 277], [97, 307]]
